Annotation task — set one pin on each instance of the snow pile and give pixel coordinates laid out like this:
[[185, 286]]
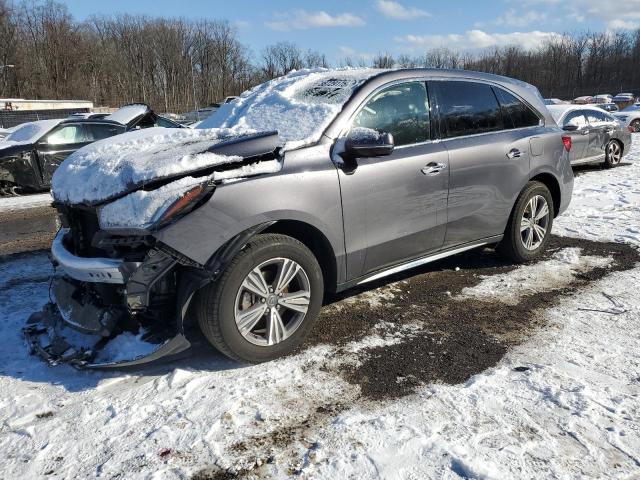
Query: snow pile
[[143, 208], [25, 202], [113, 166], [126, 346], [553, 274], [299, 106], [28, 133], [128, 113]]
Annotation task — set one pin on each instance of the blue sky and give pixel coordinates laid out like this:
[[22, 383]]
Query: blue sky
[[362, 28]]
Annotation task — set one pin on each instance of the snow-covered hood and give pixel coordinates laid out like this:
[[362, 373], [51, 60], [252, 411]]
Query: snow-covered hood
[[114, 167]]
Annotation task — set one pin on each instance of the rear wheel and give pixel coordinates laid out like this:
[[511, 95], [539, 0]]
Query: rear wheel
[[636, 125], [265, 302], [529, 227], [613, 154]]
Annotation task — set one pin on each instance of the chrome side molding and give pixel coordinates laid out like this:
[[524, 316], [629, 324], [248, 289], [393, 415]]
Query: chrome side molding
[[428, 259]]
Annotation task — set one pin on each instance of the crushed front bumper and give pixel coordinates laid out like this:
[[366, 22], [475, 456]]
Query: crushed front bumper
[[105, 312]]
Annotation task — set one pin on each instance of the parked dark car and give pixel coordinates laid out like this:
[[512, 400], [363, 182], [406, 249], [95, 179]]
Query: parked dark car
[[33, 151], [317, 181], [596, 136]]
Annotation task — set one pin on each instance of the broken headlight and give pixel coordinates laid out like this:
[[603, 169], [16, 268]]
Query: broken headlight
[[145, 209]]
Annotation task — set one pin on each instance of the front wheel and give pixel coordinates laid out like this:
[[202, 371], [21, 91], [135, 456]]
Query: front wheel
[[265, 302], [613, 152], [529, 227]]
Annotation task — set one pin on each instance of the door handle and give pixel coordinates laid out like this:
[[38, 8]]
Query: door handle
[[433, 168], [514, 153]]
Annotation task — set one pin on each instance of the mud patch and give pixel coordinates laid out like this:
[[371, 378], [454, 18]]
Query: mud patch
[[454, 339]]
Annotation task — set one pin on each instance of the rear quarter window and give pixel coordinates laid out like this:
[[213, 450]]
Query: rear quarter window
[[515, 113]]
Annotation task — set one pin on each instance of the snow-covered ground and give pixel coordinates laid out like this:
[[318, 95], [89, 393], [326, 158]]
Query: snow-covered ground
[[562, 403], [25, 201]]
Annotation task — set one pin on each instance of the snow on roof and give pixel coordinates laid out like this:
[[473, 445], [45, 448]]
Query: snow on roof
[[30, 132], [299, 106], [115, 165], [128, 113], [557, 111]]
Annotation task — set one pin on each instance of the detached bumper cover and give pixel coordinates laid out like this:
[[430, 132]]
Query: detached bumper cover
[[48, 337], [102, 270]]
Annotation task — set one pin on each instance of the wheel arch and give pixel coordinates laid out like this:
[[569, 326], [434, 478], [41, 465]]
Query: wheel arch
[[314, 240], [551, 182]]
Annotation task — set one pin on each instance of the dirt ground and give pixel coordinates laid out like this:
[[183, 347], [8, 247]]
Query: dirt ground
[[27, 229]]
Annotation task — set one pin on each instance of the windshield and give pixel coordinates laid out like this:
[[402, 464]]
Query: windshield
[[31, 132], [299, 106]]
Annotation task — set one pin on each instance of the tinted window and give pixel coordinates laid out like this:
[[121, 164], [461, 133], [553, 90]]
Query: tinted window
[[596, 117], [467, 108], [163, 122], [515, 113], [575, 118], [67, 135], [401, 110], [98, 132]]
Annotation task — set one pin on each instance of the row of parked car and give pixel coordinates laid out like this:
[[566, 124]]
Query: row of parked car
[[31, 152]]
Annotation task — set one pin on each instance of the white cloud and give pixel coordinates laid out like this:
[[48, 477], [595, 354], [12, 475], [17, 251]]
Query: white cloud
[[303, 20], [618, 24], [514, 18], [615, 14], [477, 39], [398, 11]]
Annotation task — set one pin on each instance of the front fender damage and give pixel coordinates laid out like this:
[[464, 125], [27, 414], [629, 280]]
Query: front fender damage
[[103, 326]]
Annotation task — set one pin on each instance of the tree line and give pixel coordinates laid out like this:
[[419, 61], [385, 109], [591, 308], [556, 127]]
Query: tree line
[[176, 65]]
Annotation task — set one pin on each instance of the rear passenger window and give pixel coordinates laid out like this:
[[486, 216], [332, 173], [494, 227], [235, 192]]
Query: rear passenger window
[[99, 132], [401, 110], [467, 108], [596, 118], [515, 113]]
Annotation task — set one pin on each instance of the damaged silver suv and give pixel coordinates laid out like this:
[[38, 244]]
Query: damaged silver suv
[[317, 181]]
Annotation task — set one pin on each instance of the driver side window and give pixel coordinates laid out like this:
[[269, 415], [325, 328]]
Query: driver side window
[[67, 135], [401, 110]]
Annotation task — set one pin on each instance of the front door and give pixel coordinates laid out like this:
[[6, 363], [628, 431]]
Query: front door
[[58, 145], [395, 206]]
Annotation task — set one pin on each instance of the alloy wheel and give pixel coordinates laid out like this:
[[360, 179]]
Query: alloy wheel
[[534, 222], [636, 125], [614, 153], [272, 301]]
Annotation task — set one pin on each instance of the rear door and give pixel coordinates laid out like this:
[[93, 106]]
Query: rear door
[[579, 138], [100, 131], [58, 145], [395, 206], [489, 155], [600, 131]]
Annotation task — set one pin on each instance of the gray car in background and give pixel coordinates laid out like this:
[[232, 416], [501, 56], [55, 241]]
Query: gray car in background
[[365, 173], [596, 136]]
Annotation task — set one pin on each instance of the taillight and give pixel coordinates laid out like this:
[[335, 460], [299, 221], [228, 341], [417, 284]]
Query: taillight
[[566, 140]]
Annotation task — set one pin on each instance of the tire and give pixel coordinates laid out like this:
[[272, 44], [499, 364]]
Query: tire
[[636, 125], [513, 244], [235, 296], [613, 154]]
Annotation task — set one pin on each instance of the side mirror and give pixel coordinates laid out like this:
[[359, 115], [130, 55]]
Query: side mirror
[[366, 142], [569, 127]]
